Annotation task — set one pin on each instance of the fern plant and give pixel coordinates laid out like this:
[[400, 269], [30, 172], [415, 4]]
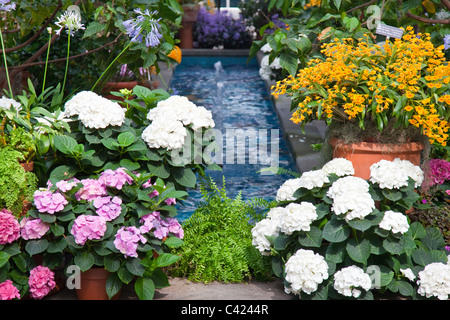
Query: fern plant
[[218, 241]]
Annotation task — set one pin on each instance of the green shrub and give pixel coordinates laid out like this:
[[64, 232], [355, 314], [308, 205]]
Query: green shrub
[[218, 240]]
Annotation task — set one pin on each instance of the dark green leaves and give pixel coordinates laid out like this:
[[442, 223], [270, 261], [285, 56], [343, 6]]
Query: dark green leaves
[[336, 230]]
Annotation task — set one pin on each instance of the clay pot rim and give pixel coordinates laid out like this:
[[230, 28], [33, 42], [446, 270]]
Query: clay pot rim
[[377, 147]]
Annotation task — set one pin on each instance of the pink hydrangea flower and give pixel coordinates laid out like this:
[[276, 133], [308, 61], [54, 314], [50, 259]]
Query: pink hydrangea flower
[[116, 178], [438, 172], [8, 291], [33, 228], [41, 282], [66, 185], [161, 228], [9, 227], [91, 189], [108, 208], [50, 202], [170, 201], [127, 240], [87, 227]]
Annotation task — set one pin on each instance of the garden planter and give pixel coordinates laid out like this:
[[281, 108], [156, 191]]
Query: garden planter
[[116, 86], [187, 24], [93, 285], [364, 154]]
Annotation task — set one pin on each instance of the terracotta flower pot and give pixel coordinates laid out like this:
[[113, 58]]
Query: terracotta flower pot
[[187, 24], [27, 166], [364, 154], [93, 285]]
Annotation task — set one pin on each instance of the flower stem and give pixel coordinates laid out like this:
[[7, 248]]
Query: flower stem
[[6, 65], [67, 62], [110, 65], [46, 61]]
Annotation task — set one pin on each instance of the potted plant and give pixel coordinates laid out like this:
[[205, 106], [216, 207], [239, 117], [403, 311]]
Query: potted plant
[[116, 227], [190, 12], [372, 94], [337, 236]]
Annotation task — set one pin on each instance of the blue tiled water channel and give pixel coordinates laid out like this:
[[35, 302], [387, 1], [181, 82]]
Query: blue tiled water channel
[[236, 95]]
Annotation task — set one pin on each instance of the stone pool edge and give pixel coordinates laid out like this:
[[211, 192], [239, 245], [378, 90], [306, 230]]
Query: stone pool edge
[[299, 142]]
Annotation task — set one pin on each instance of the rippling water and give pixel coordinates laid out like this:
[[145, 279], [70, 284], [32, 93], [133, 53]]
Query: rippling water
[[238, 99]]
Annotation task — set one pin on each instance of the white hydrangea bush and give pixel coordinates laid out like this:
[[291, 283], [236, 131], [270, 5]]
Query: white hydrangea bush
[[333, 235]]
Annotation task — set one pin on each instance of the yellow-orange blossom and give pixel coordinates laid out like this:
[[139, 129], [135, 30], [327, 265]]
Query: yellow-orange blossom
[[360, 81]]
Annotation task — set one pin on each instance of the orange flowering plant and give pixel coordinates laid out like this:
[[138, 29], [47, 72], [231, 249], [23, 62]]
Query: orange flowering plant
[[402, 83]]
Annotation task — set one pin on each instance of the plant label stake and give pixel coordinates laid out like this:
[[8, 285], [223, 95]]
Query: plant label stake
[[389, 31]]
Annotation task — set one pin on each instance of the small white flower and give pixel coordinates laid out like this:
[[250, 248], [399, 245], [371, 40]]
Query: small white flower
[[6, 104], [71, 20], [434, 281], [408, 274], [314, 178], [263, 228], [397, 222], [305, 270], [339, 166], [297, 217], [347, 280], [395, 174]]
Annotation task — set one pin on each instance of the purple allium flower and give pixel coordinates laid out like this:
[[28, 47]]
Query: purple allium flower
[[7, 5], [144, 26]]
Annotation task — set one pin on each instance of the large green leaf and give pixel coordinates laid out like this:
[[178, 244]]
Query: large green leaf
[[65, 144], [358, 250], [185, 177], [36, 246], [336, 230], [4, 257], [145, 288], [84, 260], [311, 238], [113, 285]]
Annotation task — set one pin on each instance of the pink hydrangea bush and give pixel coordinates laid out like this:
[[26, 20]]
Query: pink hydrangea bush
[[9, 227], [8, 291], [41, 282]]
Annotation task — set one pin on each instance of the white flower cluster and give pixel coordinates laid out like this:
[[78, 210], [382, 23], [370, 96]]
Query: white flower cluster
[[305, 270], [6, 104], [170, 119], [71, 20], [297, 217], [408, 273], [266, 68], [395, 174], [347, 280], [314, 178], [95, 111], [434, 280], [294, 217], [351, 197], [339, 166], [395, 221]]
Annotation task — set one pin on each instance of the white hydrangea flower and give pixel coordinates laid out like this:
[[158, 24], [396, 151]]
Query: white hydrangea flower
[[287, 190], [6, 104], [305, 270], [347, 280], [169, 135], [395, 174], [339, 166], [297, 217], [276, 214], [395, 221], [95, 111], [183, 110], [408, 274], [263, 228], [313, 178], [351, 197], [434, 281]]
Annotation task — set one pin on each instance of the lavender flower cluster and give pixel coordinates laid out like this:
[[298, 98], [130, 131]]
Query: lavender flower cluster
[[220, 30]]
